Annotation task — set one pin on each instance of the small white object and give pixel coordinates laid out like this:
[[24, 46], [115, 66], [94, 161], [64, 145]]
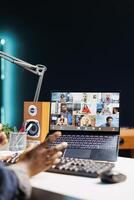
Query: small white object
[[2, 41], [29, 127], [32, 110]]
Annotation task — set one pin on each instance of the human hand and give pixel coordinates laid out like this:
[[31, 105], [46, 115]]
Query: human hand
[[4, 158], [12, 158], [3, 138], [42, 157]]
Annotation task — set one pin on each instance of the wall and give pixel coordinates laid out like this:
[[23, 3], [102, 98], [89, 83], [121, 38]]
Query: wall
[[85, 45]]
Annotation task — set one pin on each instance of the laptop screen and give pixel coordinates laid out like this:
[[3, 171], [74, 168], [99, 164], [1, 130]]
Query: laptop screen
[[88, 111]]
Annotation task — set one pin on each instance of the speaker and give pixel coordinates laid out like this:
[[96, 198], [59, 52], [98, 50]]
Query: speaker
[[36, 116]]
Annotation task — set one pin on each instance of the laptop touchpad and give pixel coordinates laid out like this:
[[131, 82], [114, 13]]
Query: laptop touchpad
[[77, 153]]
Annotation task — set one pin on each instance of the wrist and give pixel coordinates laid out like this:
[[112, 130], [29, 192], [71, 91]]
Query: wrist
[[22, 166], [22, 174]]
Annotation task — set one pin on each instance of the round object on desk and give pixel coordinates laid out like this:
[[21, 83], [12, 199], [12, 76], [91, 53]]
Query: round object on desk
[[112, 177]]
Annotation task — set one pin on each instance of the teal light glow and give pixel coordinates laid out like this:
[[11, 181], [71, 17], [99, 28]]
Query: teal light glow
[[2, 41], [8, 81]]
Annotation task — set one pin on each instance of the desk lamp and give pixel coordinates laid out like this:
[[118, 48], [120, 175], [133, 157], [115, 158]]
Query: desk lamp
[[39, 127], [36, 69]]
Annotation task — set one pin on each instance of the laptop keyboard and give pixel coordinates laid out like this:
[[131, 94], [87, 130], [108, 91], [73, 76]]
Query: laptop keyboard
[[82, 167], [89, 141]]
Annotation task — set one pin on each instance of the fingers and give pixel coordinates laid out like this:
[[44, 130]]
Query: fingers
[[53, 160], [4, 158], [56, 158], [51, 138], [3, 138], [4, 142], [56, 152], [61, 146], [51, 165], [53, 157], [58, 147], [3, 135]]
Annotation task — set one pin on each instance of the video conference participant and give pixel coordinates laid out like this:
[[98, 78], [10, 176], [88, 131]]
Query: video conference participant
[[108, 123], [86, 109], [14, 180], [85, 121], [62, 121], [66, 114]]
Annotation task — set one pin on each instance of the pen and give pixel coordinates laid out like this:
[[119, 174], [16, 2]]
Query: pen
[[20, 139], [15, 129], [28, 128]]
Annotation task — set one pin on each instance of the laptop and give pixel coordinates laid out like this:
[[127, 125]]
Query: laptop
[[89, 122]]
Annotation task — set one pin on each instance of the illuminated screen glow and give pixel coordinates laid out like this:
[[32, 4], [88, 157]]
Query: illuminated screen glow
[[88, 111]]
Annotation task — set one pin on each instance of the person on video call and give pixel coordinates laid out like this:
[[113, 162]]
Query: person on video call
[[62, 98], [86, 109], [66, 114], [116, 111], [85, 121], [14, 179], [109, 122], [62, 121], [106, 110]]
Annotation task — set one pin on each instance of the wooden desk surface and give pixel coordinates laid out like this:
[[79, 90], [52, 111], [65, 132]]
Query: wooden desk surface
[[127, 138]]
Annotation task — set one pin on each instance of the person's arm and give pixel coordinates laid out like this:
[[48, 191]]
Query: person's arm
[[14, 180], [40, 158], [8, 184], [23, 188]]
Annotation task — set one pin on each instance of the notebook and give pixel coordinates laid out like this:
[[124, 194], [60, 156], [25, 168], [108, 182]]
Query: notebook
[[89, 122]]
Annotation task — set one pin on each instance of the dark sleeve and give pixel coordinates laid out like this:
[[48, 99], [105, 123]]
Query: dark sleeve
[[8, 184], [24, 185]]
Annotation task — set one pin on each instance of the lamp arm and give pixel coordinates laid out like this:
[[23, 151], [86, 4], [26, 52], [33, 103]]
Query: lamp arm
[[36, 69], [38, 88], [13, 59], [27, 66]]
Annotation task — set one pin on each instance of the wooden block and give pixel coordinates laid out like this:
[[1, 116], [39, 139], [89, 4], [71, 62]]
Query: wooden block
[[127, 138]]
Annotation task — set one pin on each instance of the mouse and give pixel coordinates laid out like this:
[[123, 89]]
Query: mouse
[[112, 177]]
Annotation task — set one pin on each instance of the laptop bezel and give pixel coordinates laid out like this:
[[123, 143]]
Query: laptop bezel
[[81, 132]]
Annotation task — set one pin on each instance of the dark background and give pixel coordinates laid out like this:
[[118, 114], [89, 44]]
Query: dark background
[[87, 45]]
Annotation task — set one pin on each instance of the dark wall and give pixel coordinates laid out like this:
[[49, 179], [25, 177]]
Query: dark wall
[[85, 46]]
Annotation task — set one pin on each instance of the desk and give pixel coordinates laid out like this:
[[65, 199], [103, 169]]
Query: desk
[[127, 140], [89, 188]]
